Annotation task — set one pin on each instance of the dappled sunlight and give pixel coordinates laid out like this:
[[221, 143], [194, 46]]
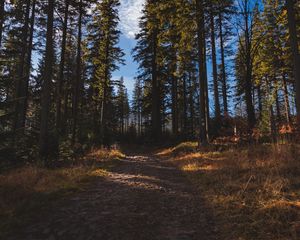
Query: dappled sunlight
[[254, 191], [194, 167], [99, 173], [135, 181], [183, 147], [102, 154]]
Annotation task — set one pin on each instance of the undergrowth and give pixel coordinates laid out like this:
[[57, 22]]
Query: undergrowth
[[254, 191]]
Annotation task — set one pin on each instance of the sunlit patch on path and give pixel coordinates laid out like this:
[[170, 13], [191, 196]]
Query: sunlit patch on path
[[141, 198]]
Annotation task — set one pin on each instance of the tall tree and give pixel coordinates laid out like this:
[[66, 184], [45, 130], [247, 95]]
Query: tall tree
[[28, 64], [60, 81], [19, 120], [78, 82], [147, 54], [247, 51], [202, 72], [1, 19], [46, 85], [290, 5], [214, 64], [106, 60]]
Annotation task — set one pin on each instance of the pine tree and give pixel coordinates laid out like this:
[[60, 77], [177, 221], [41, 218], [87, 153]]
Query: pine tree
[[2, 12], [106, 59], [60, 80], [137, 105], [247, 49], [203, 73], [147, 54], [214, 64], [295, 51]]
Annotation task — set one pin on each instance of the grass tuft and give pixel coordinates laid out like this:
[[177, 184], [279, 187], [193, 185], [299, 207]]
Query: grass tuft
[[253, 191]]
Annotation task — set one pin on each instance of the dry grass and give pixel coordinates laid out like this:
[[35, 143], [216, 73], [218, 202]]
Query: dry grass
[[29, 189], [104, 155], [254, 192]]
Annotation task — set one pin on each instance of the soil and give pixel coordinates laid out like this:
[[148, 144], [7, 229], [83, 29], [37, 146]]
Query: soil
[[142, 198]]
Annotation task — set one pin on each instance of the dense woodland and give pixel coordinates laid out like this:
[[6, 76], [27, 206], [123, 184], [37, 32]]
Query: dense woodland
[[207, 70]]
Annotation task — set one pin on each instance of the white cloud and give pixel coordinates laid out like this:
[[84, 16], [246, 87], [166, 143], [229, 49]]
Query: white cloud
[[130, 13]]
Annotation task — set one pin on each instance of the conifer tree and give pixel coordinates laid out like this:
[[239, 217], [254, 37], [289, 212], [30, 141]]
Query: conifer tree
[[107, 57], [293, 36], [1, 19]]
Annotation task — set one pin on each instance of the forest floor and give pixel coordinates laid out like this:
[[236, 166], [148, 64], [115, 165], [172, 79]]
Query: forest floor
[[141, 197], [178, 193]]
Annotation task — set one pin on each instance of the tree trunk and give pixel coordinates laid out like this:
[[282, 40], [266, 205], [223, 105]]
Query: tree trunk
[[295, 51], [156, 118], [77, 86], [174, 100], [207, 113], [215, 69], [46, 86], [286, 100], [260, 105], [248, 76], [104, 105], [1, 20], [184, 116], [60, 80], [278, 111], [224, 80], [201, 40], [192, 103], [28, 63], [20, 89]]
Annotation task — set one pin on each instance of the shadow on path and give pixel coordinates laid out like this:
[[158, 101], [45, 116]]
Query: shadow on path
[[142, 198]]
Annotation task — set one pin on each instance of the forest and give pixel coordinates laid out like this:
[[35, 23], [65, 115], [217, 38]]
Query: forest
[[205, 145]]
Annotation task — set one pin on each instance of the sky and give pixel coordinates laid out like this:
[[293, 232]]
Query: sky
[[130, 12]]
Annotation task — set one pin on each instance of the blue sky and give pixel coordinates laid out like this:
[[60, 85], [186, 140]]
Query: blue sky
[[130, 13], [128, 71]]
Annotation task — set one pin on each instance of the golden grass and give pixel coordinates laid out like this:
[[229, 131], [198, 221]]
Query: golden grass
[[254, 192], [104, 155], [182, 147], [26, 190]]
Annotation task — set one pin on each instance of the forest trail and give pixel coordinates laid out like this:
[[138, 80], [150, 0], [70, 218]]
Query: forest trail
[[141, 198]]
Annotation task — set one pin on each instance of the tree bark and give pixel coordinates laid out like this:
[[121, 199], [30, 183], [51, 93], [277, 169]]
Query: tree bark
[[28, 63], [46, 86], [174, 99], [260, 105], [202, 71], [207, 113], [1, 20], [77, 86], [185, 110], [155, 115], [224, 80], [215, 69], [21, 90], [286, 100], [249, 69], [290, 4], [60, 81]]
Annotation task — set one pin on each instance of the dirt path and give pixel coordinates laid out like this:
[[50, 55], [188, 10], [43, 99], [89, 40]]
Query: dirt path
[[142, 198]]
